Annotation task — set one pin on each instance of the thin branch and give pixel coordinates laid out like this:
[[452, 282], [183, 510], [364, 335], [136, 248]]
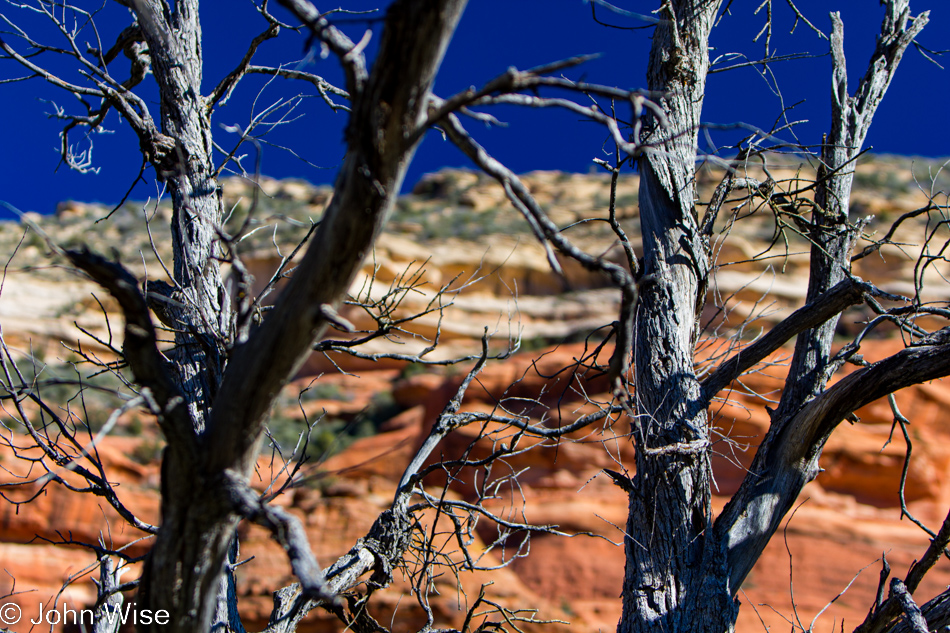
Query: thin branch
[[846, 293]]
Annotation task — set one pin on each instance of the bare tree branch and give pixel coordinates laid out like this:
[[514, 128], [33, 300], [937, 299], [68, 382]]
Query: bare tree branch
[[751, 514], [846, 293]]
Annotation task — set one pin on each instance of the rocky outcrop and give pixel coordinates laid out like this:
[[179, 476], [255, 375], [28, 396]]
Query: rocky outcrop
[[456, 250], [844, 522], [454, 244]]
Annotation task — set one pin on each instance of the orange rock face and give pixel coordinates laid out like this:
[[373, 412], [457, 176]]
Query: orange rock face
[[833, 543], [846, 519], [828, 552]]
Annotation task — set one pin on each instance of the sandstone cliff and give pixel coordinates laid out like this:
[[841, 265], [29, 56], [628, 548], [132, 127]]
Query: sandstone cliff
[[456, 245]]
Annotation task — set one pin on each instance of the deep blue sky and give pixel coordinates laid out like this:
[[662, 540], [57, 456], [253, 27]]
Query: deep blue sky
[[493, 35]]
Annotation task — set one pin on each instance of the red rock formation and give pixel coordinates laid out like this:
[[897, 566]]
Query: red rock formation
[[847, 517]]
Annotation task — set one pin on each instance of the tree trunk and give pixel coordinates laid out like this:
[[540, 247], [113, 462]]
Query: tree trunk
[[788, 457], [667, 585], [203, 473], [197, 307], [681, 574], [200, 308]]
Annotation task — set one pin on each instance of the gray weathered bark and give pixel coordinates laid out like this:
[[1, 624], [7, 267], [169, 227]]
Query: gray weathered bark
[[788, 457], [667, 542], [200, 499], [212, 414], [200, 310], [682, 569], [682, 574]]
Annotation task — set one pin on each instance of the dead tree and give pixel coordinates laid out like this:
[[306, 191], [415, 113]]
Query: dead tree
[[689, 575], [213, 395], [212, 392]]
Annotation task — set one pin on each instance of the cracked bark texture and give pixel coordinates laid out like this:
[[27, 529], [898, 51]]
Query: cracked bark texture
[[203, 467], [203, 324], [682, 570], [669, 511], [788, 457], [201, 312]]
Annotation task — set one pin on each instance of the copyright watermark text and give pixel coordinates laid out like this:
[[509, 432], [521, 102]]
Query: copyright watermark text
[[10, 613]]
